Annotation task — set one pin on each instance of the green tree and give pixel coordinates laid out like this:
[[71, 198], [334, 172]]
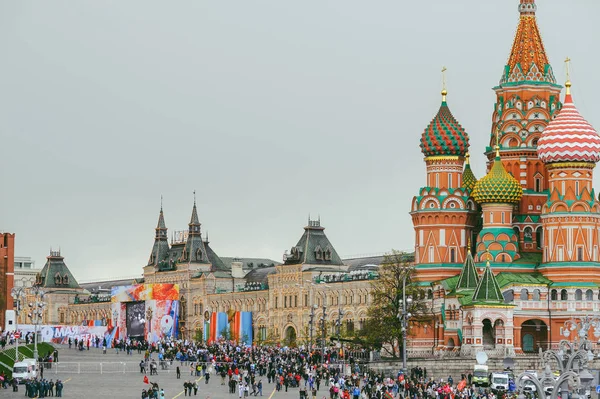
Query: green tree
[[383, 328], [198, 335]]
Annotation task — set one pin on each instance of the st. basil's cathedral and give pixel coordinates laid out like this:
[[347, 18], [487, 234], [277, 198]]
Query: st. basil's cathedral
[[512, 256]]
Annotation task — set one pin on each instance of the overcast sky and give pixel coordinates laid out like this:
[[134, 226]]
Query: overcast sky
[[270, 110]]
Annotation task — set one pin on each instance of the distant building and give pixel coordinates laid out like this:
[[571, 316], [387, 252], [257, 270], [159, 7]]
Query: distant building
[[7, 273], [25, 271]]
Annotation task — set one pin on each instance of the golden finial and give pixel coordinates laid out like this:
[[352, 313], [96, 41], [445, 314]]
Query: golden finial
[[497, 147], [489, 255], [469, 241], [444, 91], [568, 82], [467, 156]]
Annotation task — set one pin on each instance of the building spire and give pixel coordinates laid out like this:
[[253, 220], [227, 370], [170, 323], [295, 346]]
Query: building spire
[[194, 220], [444, 90], [568, 82], [528, 61]]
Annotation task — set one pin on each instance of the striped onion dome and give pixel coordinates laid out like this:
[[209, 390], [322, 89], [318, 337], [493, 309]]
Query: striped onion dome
[[569, 137], [498, 186], [468, 178], [444, 135]]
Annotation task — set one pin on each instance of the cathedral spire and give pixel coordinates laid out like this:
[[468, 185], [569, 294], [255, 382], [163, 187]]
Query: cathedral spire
[[528, 61], [488, 290]]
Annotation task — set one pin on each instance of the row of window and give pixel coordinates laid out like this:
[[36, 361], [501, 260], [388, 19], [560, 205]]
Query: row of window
[[555, 295]]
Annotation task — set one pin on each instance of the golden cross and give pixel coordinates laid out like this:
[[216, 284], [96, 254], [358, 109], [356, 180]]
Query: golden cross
[[444, 69], [568, 65]]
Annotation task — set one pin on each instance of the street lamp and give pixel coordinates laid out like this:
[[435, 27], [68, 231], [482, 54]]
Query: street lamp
[[572, 359], [36, 314], [404, 316], [17, 293]]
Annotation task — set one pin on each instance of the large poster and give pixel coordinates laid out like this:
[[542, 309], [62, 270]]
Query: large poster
[[233, 325], [145, 292], [60, 334], [136, 319]]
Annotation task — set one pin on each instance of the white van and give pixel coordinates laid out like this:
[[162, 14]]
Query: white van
[[24, 370], [499, 382]]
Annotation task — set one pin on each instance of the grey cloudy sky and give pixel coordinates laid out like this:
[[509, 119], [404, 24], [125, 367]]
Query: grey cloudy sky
[[269, 109]]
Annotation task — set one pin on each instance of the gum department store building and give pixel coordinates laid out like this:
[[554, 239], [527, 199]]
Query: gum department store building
[[504, 260]]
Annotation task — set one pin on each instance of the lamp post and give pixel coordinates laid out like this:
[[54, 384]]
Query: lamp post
[[36, 313], [323, 318], [572, 359], [17, 293], [404, 316]]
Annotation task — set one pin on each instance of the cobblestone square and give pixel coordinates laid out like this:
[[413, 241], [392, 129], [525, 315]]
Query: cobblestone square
[[121, 378]]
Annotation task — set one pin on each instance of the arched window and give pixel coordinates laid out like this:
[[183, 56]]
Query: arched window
[[509, 296], [578, 295], [539, 237], [536, 295], [524, 294], [563, 295], [589, 295], [553, 295], [528, 234], [65, 280]]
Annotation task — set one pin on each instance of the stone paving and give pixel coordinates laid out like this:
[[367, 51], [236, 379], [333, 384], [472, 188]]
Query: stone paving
[[121, 378]]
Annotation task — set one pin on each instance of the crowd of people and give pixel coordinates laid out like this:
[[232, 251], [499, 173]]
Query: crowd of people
[[243, 370]]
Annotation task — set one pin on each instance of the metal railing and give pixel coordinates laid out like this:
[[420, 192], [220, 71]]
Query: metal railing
[[103, 367]]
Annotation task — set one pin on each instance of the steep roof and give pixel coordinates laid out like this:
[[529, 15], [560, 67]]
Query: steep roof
[[468, 279], [528, 61], [488, 290], [215, 260], [56, 274], [314, 248], [160, 249], [505, 279]]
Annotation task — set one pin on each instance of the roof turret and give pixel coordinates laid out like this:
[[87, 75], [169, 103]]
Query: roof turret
[[444, 135], [488, 289], [55, 274], [528, 61], [468, 177], [160, 249], [468, 279], [498, 186], [569, 137]]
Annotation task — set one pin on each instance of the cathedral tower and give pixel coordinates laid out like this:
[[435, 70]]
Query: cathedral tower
[[570, 148], [497, 193], [527, 99], [443, 214]]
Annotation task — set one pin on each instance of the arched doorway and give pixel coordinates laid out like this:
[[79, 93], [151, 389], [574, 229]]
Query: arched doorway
[[488, 334], [534, 335], [290, 336], [450, 344]]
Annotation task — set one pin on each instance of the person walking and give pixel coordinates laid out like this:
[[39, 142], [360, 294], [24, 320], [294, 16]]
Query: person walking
[[178, 373]]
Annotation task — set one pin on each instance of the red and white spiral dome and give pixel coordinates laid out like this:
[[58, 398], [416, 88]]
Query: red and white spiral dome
[[569, 137]]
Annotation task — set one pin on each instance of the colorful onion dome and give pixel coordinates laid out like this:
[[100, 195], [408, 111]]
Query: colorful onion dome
[[569, 137], [444, 135], [498, 186], [468, 178]]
